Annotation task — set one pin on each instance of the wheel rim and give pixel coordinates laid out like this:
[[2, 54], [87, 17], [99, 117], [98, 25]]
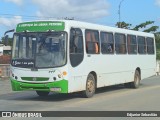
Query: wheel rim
[[90, 86]]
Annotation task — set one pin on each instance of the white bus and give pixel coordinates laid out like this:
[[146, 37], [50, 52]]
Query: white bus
[[71, 56]]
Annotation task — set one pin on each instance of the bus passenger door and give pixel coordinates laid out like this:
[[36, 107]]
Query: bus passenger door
[[76, 60]]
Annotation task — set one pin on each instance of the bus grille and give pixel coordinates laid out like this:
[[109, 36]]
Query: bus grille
[[35, 78]]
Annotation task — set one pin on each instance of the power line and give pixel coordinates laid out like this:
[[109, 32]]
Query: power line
[[48, 17], [25, 16], [29, 17], [16, 15]]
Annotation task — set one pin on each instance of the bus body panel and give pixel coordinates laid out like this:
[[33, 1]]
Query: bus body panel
[[110, 69], [42, 79]]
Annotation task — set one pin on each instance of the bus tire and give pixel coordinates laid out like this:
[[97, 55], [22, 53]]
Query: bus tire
[[137, 78], [42, 93], [90, 86]]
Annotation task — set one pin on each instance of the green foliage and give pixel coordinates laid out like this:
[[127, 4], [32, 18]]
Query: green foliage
[[158, 50], [151, 29], [157, 37], [9, 41], [142, 25], [123, 25]]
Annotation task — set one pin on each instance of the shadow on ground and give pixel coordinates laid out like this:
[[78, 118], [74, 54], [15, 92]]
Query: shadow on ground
[[32, 96]]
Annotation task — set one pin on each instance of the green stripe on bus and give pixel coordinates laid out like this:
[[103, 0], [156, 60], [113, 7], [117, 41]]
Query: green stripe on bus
[[19, 86]]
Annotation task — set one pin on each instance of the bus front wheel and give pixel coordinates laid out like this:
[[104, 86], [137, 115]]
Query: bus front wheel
[[42, 93], [90, 86], [136, 82]]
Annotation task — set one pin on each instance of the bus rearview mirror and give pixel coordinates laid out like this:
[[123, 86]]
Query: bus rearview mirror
[[6, 40]]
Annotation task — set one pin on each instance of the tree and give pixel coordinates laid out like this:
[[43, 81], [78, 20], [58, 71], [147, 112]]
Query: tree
[[123, 25], [9, 41], [151, 29], [143, 25], [157, 37]]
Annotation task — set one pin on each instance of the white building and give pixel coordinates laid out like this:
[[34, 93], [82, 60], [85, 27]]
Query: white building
[[5, 49]]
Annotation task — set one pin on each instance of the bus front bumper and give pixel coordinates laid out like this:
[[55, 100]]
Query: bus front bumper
[[58, 86]]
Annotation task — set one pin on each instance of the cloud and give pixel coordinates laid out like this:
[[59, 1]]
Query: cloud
[[157, 2], [10, 23], [17, 2], [86, 9]]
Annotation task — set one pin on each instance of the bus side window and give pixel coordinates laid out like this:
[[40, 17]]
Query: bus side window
[[107, 43], [150, 45], [92, 41], [76, 41], [131, 44], [141, 45], [120, 43]]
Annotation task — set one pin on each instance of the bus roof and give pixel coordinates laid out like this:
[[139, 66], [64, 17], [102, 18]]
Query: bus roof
[[59, 25]]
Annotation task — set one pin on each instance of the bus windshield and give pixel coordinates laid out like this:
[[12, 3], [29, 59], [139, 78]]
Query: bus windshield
[[40, 50]]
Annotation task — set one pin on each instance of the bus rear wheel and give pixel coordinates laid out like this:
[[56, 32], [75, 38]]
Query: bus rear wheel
[[90, 86], [136, 82], [42, 93]]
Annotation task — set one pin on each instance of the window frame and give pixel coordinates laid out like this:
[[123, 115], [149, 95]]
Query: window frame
[[150, 46], [82, 41], [140, 45], [131, 45], [91, 41], [124, 44], [113, 42]]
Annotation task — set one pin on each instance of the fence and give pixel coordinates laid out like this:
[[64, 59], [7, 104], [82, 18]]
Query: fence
[[4, 70]]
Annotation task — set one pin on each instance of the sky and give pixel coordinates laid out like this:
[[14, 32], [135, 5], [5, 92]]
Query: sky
[[104, 12]]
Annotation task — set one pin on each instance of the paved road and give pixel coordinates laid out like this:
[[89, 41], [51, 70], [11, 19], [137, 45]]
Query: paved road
[[115, 98]]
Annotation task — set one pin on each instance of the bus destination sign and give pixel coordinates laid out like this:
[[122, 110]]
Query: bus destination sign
[[40, 26]]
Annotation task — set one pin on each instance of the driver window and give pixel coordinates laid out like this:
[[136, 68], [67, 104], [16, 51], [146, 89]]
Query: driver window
[[76, 41]]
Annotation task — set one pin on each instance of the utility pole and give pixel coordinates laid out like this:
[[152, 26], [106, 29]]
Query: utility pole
[[119, 12]]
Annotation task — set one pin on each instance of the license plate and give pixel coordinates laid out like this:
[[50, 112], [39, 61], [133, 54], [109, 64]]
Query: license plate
[[55, 89]]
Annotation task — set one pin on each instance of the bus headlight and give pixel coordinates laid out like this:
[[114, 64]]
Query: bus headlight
[[59, 76]]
